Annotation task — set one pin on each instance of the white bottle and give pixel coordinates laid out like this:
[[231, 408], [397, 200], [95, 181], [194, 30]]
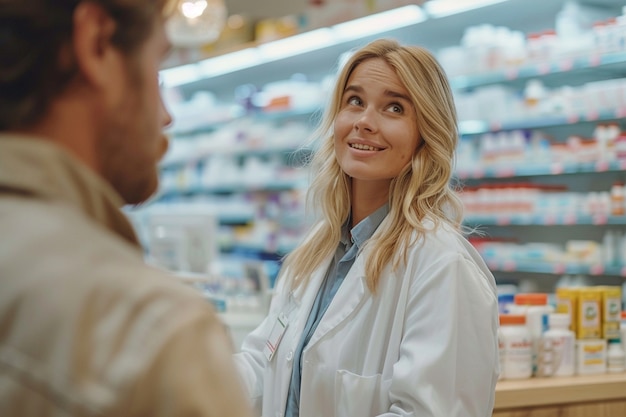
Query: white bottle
[[616, 359], [622, 328], [534, 306], [561, 360], [515, 347]]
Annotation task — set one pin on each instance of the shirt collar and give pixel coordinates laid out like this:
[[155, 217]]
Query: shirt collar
[[366, 227]]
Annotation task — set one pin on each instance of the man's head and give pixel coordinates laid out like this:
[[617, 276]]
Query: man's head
[[84, 73]]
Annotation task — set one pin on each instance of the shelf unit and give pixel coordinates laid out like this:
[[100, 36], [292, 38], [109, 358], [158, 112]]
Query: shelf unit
[[525, 15]]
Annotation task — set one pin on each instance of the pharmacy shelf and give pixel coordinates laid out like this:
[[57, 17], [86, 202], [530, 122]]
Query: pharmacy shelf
[[556, 268], [477, 127], [566, 65], [533, 170], [255, 252], [568, 219], [292, 150], [258, 115], [474, 126], [275, 185], [235, 219]]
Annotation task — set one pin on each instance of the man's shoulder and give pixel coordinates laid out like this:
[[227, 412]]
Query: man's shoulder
[[59, 247]]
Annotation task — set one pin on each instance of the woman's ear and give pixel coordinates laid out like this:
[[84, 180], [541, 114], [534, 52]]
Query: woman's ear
[[420, 145]]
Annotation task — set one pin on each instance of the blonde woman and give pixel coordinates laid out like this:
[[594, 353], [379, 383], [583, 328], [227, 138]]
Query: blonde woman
[[385, 309]]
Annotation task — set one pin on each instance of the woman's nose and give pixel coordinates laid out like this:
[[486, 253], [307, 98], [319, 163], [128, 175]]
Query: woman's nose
[[366, 120]]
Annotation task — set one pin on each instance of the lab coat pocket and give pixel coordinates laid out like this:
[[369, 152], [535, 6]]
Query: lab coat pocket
[[359, 395]]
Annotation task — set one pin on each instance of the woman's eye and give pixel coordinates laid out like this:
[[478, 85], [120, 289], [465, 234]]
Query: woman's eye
[[396, 108], [354, 101]]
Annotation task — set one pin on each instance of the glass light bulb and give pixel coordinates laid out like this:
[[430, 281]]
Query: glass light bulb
[[193, 9], [196, 22]]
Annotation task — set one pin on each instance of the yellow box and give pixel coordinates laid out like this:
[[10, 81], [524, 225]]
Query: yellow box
[[589, 313], [611, 308], [566, 303]]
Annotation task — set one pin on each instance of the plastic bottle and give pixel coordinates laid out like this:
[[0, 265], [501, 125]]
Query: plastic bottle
[[617, 199], [567, 24], [622, 328], [534, 306], [616, 361], [534, 94], [515, 344], [609, 248], [557, 358]]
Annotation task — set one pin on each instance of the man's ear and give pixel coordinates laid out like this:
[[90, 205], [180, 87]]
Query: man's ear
[[96, 57]]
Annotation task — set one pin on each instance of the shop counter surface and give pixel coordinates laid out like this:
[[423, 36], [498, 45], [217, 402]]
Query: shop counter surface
[[602, 395]]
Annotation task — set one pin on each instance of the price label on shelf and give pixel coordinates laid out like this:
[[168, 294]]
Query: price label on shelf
[[622, 272], [602, 166], [599, 219], [543, 68], [595, 60], [503, 220], [592, 115], [596, 269], [559, 268], [556, 168], [511, 73], [509, 266], [570, 218], [550, 219], [566, 65], [620, 112], [573, 118], [478, 173], [493, 265], [495, 126], [504, 172]]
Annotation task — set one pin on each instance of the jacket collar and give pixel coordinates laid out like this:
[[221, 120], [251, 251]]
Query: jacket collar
[[40, 169]]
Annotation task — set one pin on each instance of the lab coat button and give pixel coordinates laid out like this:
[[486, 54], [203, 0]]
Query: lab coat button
[[290, 356]]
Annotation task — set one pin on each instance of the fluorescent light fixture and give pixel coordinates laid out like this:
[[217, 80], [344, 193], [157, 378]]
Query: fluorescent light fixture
[[297, 44], [294, 45], [441, 8], [234, 61], [472, 127], [181, 75], [379, 23]]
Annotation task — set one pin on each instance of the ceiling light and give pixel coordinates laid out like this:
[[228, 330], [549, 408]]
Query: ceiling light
[[441, 8], [196, 22], [379, 23]]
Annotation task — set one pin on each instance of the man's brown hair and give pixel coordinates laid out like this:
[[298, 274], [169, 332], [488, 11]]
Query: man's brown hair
[[35, 36]]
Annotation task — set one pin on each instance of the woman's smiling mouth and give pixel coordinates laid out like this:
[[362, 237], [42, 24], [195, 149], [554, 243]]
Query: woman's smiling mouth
[[363, 147]]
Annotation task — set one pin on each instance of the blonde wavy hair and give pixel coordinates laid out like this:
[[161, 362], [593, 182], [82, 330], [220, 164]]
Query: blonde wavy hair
[[422, 189]]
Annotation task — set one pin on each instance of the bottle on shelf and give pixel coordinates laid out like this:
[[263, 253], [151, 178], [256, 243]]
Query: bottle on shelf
[[622, 329], [534, 306], [515, 346], [557, 348], [616, 361], [618, 199]]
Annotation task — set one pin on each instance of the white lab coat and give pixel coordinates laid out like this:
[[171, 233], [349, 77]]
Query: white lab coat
[[424, 345]]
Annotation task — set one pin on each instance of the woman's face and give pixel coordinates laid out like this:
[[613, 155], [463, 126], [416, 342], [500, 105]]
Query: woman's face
[[375, 130]]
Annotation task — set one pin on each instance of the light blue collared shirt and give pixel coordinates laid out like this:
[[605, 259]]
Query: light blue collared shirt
[[345, 254]]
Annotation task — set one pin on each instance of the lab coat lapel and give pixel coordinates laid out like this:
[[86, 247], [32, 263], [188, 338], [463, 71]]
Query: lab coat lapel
[[305, 295], [350, 294]]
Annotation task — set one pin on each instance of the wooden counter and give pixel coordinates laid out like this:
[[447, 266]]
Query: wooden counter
[[602, 395]]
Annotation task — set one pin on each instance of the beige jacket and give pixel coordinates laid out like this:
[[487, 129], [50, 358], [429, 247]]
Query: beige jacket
[[86, 328]]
